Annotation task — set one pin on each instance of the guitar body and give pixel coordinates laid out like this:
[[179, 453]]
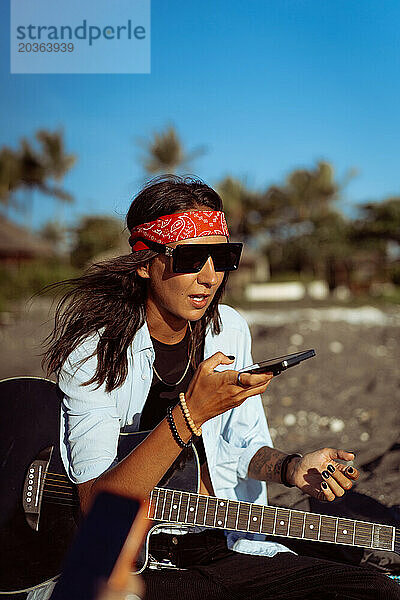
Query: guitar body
[[31, 409], [34, 544]]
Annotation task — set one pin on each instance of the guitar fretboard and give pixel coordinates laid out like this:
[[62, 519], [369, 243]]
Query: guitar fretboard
[[185, 508]]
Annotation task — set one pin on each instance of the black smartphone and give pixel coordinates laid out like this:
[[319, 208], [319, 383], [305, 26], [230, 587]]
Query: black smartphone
[[279, 364], [99, 545]]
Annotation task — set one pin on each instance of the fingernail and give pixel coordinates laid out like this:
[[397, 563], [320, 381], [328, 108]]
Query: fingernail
[[231, 357], [325, 474], [324, 485], [350, 470], [331, 468]]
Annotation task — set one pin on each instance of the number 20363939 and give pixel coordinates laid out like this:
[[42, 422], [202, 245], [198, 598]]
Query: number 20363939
[[45, 47]]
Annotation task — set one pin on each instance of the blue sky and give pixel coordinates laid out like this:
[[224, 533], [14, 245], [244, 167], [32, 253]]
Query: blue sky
[[265, 85]]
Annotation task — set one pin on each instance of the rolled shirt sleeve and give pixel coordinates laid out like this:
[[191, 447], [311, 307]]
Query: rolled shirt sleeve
[[242, 431], [250, 421], [89, 422]]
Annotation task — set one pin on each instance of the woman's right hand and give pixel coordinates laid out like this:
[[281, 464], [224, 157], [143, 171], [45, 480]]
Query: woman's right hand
[[211, 392]]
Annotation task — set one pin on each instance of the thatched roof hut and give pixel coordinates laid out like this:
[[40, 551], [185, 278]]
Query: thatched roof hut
[[18, 244]]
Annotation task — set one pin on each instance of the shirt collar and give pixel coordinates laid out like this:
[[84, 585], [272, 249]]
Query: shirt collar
[[142, 341]]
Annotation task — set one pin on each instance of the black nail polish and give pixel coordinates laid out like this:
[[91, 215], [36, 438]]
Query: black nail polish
[[350, 470], [324, 485], [231, 357], [331, 468], [325, 474]]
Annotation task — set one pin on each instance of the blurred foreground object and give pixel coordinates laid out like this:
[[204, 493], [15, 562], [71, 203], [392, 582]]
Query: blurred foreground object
[[99, 564]]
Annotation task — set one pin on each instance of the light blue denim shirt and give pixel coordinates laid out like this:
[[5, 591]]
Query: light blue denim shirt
[[92, 419]]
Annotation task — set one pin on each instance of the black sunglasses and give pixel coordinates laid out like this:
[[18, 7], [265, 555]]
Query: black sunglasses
[[191, 258]]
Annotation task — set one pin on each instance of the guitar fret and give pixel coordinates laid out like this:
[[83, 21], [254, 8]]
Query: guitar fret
[[176, 499], [311, 526], [383, 537], [237, 516], [220, 515], [210, 512], [231, 514], [156, 502], [328, 529], [276, 511], [345, 531], [255, 518], [201, 510], [192, 505], [296, 525], [160, 505], [152, 503], [363, 534], [268, 520], [167, 505], [243, 516], [281, 521], [183, 507]]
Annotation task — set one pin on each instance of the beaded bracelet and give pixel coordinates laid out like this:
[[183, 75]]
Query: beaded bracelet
[[188, 418], [284, 468], [174, 430]]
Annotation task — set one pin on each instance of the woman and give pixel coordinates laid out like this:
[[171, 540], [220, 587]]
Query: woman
[[141, 340]]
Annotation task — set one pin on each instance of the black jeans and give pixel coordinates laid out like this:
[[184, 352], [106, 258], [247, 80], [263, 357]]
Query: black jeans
[[216, 573]]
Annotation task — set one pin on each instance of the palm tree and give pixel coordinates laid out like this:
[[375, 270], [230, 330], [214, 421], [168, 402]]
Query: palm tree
[[30, 169], [9, 175], [242, 206], [164, 153], [56, 163]]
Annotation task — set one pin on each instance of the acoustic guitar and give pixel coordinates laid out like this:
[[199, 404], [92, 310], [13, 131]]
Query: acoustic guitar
[[39, 507]]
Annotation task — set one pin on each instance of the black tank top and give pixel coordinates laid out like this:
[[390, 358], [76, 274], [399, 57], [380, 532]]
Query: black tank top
[[170, 363]]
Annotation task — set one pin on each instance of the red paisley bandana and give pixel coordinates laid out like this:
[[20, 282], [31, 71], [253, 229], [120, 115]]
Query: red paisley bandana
[[179, 226]]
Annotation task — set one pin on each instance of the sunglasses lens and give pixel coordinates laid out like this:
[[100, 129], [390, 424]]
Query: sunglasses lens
[[190, 258], [226, 258]]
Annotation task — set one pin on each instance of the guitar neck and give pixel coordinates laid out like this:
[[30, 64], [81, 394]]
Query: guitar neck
[[185, 508]]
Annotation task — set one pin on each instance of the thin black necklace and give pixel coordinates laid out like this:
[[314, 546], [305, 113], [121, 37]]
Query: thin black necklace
[[186, 368]]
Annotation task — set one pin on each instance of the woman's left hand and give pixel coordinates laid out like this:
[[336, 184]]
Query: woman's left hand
[[319, 475]]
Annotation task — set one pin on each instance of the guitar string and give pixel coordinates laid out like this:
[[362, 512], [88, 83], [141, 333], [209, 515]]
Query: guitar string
[[57, 475], [59, 483], [61, 500], [49, 484], [61, 495], [56, 483], [69, 504], [69, 494], [56, 488], [51, 500], [66, 492]]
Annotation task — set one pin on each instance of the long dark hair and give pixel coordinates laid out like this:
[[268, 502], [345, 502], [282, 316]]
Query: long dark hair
[[109, 299]]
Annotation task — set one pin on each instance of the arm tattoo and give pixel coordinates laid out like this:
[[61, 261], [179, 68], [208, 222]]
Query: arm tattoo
[[266, 464]]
